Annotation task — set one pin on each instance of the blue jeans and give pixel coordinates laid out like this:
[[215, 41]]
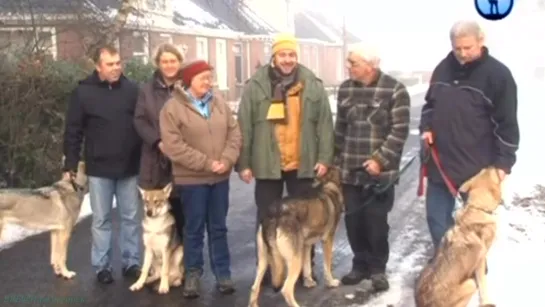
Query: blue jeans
[[101, 194], [440, 207], [205, 207]]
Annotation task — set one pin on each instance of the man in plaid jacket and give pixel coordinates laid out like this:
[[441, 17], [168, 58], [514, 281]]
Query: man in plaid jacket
[[370, 131]]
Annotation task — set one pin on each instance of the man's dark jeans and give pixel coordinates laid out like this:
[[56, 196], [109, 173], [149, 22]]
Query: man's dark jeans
[[367, 227], [205, 207]]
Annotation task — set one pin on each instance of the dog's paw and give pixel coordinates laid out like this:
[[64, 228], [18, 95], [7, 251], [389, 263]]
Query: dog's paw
[[163, 288], [68, 274], [136, 286], [177, 282], [334, 283], [309, 283], [487, 305]]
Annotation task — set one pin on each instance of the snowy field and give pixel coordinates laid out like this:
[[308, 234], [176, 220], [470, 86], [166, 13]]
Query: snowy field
[[516, 258]]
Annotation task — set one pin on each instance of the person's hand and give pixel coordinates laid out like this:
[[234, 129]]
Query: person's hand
[[320, 169], [372, 167], [218, 167], [246, 175], [427, 137]]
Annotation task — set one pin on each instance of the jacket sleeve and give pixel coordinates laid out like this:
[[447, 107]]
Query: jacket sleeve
[[245, 122], [400, 118], [176, 149], [143, 124], [326, 134], [231, 151], [427, 109], [340, 124], [73, 132], [504, 116]]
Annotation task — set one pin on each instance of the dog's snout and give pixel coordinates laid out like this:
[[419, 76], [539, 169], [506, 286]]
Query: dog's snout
[[149, 213]]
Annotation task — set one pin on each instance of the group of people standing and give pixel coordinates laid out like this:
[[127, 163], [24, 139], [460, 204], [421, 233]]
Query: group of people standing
[[176, 128]]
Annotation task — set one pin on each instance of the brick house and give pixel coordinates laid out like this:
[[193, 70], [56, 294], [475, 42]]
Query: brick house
[[234, 39]]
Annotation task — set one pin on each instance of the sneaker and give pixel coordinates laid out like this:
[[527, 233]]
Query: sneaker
[[380, 282], [354, 277], [105, 277], [226, 286], [132, 272], [192, 285]]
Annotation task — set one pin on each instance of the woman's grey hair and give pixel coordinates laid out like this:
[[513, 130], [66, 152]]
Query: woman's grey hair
[[367, 52], [466, 28]]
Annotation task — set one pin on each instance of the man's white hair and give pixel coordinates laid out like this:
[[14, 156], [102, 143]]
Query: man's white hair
[[466, 28], [368, 53]]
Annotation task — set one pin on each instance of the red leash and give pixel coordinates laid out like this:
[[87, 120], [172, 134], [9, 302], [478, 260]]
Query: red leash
[[424, 173]]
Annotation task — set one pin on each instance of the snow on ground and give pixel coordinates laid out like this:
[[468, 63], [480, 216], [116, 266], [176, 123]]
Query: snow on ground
[[516, 259]]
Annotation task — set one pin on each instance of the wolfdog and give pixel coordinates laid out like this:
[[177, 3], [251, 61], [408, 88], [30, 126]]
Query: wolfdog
[[459, 266], [164, 251], [287, 231], [55, 208]]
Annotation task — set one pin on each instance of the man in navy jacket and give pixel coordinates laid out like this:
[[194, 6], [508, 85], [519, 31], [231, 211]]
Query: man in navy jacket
[[470, 117], [100, 113]]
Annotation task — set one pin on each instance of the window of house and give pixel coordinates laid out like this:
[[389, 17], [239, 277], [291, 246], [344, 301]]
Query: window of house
[[267, 52], [340, 64], [221, 64], [21, 41], [316, 54], [141, 46], [165, 39], [202, 48], [306, 57], [237, 50]]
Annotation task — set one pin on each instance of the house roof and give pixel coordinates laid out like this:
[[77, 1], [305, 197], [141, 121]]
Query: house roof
[[237, 15], [55, 6], [321, 24]]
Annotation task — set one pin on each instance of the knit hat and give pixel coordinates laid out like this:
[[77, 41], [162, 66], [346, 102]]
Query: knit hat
[[284, 41], [192, 68]]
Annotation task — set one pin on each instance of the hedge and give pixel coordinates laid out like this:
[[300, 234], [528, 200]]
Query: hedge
[[33, 101]]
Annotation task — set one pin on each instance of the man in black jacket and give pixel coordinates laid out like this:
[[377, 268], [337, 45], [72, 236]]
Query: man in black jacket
[[470, 118], [101, 112]]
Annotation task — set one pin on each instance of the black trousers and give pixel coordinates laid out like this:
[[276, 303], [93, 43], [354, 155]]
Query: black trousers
[[267, 191], [367, 228], [178, 212]]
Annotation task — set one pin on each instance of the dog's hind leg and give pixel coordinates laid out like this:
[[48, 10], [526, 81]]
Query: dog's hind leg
[[328, 262], [63, 238], [308, 281], [148, 258], [262, 264], [291, 250]]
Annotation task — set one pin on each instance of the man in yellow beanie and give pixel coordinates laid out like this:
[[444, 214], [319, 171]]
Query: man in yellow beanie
[[286, 124]]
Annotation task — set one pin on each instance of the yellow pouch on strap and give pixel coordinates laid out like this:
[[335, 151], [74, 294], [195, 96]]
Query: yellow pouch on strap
[[276, 111]]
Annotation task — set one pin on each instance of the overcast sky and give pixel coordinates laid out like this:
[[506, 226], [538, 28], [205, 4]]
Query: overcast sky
[[420, 27]]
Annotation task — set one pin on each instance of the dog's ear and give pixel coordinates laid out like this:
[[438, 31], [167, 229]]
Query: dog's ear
[[142, 191], [167, 189]]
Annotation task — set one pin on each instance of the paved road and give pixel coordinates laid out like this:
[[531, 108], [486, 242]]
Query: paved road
[[26, 273]]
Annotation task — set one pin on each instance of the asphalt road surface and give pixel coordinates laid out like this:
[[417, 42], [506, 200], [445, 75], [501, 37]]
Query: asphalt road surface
[[26, 274]]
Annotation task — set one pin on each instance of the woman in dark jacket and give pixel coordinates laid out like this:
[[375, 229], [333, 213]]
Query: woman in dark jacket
[[155, 168]]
